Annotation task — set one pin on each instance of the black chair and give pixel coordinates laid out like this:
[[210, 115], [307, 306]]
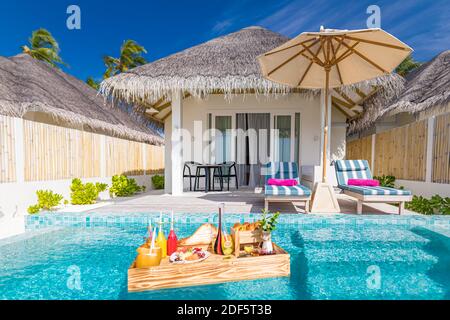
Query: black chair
[[227, 172], [192, 172]]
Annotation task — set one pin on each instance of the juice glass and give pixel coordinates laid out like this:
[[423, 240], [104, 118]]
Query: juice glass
[[147, 260]]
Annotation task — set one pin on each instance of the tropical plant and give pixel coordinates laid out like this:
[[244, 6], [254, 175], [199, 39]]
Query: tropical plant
[[85, 193], [407, 65], [122, 186], [269, 221], [47, 200], [386, 181], [92, 83], [435, 205], [158, 181], [130, 57], [42, 46]]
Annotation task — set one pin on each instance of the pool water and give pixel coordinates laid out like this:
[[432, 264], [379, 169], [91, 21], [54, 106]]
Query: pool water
[[328, 261]]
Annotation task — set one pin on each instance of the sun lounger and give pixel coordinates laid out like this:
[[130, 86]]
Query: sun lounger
[[284, 170], [359, 169]]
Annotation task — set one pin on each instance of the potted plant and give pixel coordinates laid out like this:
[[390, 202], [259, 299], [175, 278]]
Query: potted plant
[[268, 224]]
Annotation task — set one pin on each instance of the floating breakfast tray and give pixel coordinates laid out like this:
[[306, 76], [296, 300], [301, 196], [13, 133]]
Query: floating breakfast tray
[[215, 269]]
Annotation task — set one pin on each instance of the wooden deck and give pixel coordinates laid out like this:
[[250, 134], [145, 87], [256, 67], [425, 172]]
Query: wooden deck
[[242, 201]]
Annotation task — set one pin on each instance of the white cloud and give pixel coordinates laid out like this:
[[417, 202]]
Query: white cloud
[[222, 26]]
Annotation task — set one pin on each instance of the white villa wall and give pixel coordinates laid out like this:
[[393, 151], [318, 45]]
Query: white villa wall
[[425, 189], [194, 109]]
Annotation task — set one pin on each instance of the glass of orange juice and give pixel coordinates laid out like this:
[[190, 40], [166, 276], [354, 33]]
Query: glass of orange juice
[[147, 259]]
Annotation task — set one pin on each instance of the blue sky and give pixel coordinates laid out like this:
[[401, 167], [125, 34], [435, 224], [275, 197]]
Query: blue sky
[[165, 27]]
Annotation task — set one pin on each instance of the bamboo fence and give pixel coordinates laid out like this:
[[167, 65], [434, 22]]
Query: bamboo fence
[[441, 149], [53, 153], [401, 151]]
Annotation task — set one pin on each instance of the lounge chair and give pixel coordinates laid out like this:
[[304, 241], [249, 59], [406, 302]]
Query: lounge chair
[[359, 169], [284, 170]]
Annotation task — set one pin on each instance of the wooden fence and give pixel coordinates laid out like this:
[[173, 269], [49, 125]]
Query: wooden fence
[[441, 149], [7, 143], [402, 152], [52, 153], [360, 149]]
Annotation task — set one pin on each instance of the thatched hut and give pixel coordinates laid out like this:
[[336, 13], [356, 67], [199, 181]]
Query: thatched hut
[[425, 93], [31, 89], [54, 127], [219, 84]]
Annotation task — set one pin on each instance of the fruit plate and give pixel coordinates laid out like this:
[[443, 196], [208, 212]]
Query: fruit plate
[[175, 255]]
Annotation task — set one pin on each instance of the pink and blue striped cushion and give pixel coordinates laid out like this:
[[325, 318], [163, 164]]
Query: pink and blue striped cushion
[[376, 191], [359, 169], [297, 190], [283, 170]]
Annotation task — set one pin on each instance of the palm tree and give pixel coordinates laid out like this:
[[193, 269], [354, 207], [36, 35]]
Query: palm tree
[[94, 84], [130, 57], [42, 46], [407, 65]]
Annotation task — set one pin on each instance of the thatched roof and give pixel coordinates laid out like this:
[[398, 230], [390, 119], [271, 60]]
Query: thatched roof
[[426, 89], [227, 64], [28, 85]]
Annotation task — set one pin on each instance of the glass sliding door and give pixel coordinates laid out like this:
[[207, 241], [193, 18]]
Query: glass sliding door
[[283, 137], [223, 125]]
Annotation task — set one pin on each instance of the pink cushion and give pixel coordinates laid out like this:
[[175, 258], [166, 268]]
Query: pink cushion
[[363, 182], [282, 182]]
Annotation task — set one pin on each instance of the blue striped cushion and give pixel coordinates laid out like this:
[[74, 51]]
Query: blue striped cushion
[[359, 169], [376, 190], [351, 169], [297, 190], [281, 170]]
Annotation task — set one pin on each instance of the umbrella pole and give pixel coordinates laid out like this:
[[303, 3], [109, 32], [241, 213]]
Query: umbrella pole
[[325, 129], [323, 197]]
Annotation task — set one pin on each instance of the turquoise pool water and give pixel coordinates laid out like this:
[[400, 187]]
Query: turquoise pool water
[[86, 257]]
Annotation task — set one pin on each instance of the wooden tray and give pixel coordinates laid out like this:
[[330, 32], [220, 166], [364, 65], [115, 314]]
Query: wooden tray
[[213, 270]]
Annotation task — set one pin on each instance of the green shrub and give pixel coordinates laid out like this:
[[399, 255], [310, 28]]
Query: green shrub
[[33, 209], [158, 181], [86, 193], [122, 186], [386, 181], [47, 200], [435, 205]]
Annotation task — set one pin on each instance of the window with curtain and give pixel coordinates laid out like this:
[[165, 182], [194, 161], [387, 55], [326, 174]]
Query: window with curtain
[[283, 139], [223, 140]]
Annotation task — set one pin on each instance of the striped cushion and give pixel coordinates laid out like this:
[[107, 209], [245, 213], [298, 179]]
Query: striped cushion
[[297, 190], [376, 190], [281, 170], [359, 169], [351, 169]]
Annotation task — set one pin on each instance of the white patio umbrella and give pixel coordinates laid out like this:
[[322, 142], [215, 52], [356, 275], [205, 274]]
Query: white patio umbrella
[[333, 58]]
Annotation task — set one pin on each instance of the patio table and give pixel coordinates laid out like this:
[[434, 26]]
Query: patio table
[[208, 168]]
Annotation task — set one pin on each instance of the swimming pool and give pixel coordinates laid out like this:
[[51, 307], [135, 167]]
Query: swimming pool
[[77, 256]]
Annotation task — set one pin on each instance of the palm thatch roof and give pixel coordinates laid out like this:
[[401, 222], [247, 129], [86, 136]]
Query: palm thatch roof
[[227, 64], [427, 89], [31, 86]]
